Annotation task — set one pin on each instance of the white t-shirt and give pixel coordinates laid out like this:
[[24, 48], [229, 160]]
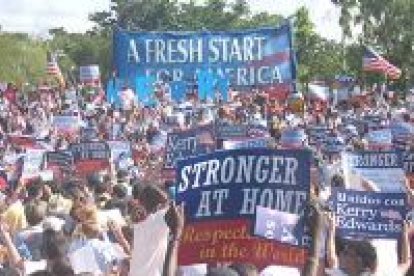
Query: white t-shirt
[[150, 245]]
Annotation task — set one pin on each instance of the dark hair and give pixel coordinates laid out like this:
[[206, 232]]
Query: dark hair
[[62, 268], [119, 191], [221, 271], [42, 273], [367, 254], [35, 212], [54, 245], [245, 269], [150, 197], [337, 181], [34, 189]]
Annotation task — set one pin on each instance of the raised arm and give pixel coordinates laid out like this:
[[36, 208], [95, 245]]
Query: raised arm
[[316, 219], [405, 253], [14, 256], [175, 221], [332, 258]]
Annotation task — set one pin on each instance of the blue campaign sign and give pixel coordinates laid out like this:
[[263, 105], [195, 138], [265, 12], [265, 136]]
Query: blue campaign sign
[[369, 214], [257, 57], [408, 161], [225, 131], [379, 137], [192, 142], [230, 184], [383, 170], [246, 143], [373, 159]]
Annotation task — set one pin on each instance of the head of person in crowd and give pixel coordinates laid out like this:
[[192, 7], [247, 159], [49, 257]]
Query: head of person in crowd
[[35, 212], [358, 258], [151, 197], [221, 271], [245, 269]]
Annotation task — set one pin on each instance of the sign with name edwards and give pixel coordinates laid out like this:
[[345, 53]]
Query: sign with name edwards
[[192, 142], [221, 191], [369, 214], [257, 57], [383, 169], [90, 157]]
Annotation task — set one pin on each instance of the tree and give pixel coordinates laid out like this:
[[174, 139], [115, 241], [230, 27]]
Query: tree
[[81, 49], [318, 58], [386, 24], [23, 58]]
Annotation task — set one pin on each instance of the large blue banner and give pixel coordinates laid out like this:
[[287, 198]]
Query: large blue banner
[[213, 60], [369, 214], [192, 142]]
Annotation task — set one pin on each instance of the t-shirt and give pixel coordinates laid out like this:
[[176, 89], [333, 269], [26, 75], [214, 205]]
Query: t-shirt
[[150, 245]]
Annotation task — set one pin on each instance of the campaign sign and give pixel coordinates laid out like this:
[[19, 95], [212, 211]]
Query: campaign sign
[[90, 157], [183, 144], [276, 225], [373, 170], [62, 159], [381, 137], [32, 163], [120, 149], [89, 73], [25, 141], [246, 143], [369, 214], [89, 134], [67, 125], [221, 191], [227, 132], [258, 57]]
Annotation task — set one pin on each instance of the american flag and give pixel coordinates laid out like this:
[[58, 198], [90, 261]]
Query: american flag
[[373, 62], [52, 68]]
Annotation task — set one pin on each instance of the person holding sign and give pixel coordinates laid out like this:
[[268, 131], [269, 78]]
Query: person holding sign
[[360, 257]]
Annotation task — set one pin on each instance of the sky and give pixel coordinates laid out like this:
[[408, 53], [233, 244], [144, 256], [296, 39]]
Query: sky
[[38, 16]]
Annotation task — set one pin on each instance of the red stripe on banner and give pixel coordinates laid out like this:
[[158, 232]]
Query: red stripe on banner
[[86, 167], [271, 60], [231, 241]]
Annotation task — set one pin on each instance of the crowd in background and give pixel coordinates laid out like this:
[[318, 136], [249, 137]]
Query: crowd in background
[[45, 220]]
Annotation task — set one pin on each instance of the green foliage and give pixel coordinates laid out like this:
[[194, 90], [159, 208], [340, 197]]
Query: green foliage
[[318, 58], [22, 59], [81, 49], [387, 25]]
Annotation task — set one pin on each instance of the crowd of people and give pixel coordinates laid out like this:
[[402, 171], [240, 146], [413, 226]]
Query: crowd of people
[[53, 225]]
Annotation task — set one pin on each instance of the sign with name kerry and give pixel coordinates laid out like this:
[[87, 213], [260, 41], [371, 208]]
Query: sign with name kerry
[[369, 214]]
